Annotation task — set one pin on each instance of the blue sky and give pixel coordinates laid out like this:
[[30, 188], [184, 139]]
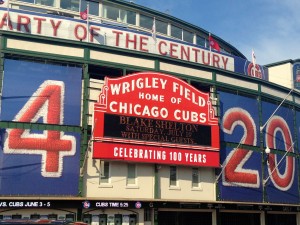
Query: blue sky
[[270, 27]]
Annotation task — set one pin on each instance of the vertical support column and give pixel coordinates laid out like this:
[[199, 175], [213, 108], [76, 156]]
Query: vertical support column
[[156, 182], [85, 131], [155, 216], [2, 46], [218, 172], [215, 217], [79, 215], [156, 192], [157, 65], [263, 154], [263, 218]]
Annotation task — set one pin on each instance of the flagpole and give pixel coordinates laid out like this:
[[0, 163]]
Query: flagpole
[[253, 63], [7, 17], [209, 48], [209, 41], [253, 58], [80, 6], [154, 33], [87, 22]]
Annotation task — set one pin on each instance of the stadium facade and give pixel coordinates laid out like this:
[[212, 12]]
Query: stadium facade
[[129, 116]]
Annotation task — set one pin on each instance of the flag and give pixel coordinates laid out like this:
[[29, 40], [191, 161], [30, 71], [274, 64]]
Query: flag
[[154, 30], [8, 22], [213, 43], [84, 14], [253, 59], [4, 3]]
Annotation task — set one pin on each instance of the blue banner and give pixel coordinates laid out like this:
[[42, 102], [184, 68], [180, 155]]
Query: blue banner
[[239, 109], [23, 79], [40, 162], [279, 129], [249, 69], [281, 173], [296, 75], [241, 177], [242, 171], [38, 172]]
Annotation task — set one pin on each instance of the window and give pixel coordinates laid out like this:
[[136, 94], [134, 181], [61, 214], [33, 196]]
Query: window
[[146, 22], [93, 7], [131, 17], [70, 217], [104, 172], [52, 216], [35, 216], [110, 12], [176, 32], [147, 214], [131, 174], [16, 216], [161, 27], [206, 43], [45, 2], [120, 15], [30, 1], [200, 41], [70, 4], [188, 36], [195, 178], [173, 176], [126, 16], [225, 51]]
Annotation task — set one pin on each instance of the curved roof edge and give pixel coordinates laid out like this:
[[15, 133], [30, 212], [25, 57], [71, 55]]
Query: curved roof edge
[[170, 17], [291, 61]]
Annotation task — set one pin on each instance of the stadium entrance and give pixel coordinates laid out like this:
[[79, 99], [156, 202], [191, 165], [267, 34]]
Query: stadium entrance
[[183, 218]]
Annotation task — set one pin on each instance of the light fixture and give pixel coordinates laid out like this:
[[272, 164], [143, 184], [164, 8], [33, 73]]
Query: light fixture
[[267, 151]]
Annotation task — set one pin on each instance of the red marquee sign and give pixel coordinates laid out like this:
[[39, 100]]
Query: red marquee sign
[[155, 118]]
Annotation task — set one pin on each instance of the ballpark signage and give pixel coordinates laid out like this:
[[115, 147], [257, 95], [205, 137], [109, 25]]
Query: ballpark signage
[[255, 70], [249, 175], [155, 118], [296, 75], [113, 34], [33, 161]]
